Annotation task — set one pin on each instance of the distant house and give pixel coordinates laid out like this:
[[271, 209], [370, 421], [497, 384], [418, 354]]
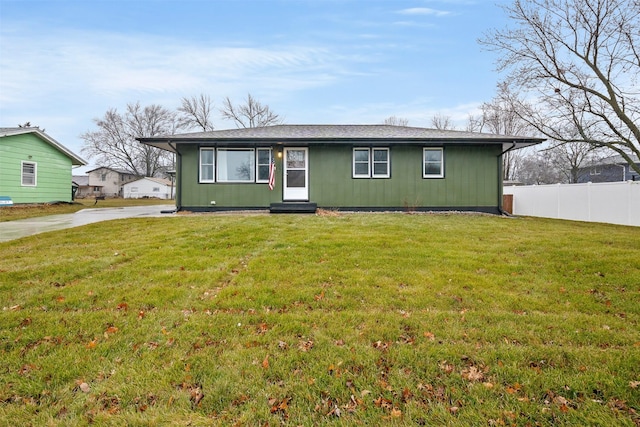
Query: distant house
[[148, 188], [108, 182], [610, 169], [34, 167], [84, 189], [288, 168]]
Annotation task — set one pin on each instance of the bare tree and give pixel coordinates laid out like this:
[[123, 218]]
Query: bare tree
[[251, 114], [442, 122], [396, 121], [114, 143], [499, 117], [195, 112], [568, 158], [579, 60]]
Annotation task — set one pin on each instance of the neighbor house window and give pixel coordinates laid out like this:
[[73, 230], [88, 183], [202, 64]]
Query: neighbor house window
[[236, 165], [595, 170], [433, 163], [207, 164], [156, 189], [134, 189], [29, 174], [371, 163], [263, 161]]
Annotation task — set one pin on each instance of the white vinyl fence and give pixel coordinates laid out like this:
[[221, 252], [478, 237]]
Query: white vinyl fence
[[609, 202]]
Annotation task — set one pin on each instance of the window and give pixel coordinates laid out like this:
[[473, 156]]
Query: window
[[156, 189], [595, 170], [263, 162], [433, 163], [361, 163], [206, 164], [134, 189], [371, 163], [236, 165], [380, 162], [29, 174]]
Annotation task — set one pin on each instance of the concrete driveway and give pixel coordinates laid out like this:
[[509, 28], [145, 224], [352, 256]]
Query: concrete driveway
[[11, 230]]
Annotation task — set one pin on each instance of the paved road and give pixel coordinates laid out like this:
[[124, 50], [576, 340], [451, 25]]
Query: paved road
[[10, 230]]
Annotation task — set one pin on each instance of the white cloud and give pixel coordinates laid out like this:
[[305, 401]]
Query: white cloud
[[110, 65], [423, 11]]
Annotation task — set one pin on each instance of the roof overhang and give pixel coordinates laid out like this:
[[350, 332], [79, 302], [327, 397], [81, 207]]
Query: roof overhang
[[310, 135]]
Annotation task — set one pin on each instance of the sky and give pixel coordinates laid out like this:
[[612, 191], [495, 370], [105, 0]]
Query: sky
[[65, 63]]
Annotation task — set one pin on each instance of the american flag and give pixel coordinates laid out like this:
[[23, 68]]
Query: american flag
[[272, 173]]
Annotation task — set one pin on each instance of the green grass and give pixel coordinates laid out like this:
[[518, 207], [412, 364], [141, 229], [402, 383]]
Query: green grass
[[24, 211], [361, 319]]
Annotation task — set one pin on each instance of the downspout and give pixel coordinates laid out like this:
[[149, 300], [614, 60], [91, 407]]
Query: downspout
[[178, 172], [500, 179]]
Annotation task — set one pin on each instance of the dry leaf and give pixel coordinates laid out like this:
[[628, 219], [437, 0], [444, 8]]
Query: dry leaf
[[472, 374], [634, 384], [265, 362], [85, 388], [91, 344], [430, 336]]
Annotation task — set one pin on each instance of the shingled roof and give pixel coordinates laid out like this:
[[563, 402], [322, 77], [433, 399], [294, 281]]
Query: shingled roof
[[322, 134]]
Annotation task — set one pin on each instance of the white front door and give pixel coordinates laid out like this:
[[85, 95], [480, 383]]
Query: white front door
[[296, 174]]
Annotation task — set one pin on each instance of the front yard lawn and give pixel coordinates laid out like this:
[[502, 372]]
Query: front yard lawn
[[358, 319]]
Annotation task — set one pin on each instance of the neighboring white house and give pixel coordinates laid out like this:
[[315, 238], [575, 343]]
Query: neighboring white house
[[148, 187]]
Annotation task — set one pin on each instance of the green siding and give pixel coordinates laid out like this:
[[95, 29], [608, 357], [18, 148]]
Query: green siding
[[53, 177], [194, 194], [471, 180]]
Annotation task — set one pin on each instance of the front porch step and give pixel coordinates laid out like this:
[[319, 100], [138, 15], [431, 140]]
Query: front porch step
[[293, 207]]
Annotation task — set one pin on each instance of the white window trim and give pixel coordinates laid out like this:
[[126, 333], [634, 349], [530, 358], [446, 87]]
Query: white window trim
[[373, 162], [249, 181], [214, 173], [35, 174], [370, 162], [424, 154], [258, 149], [353, 162]]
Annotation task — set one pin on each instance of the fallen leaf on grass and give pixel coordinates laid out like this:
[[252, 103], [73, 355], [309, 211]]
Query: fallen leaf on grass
[[92, 344], [265, 362], [634, 384], [305, 345], [472, 374], [430, 335]]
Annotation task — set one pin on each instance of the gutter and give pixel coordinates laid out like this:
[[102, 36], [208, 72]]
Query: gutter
[[178, 168], [500, 179]]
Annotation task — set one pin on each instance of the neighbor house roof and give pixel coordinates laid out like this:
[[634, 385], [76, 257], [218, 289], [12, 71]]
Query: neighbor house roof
[[161, 181], [122, 171], [75, 159], [323, 134]]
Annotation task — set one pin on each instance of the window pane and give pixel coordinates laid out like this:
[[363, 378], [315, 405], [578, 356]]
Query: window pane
[[206, 173], [295, 178], [295, 159], [235, 165], [432, 169], [361, 169], [361, 155], [380, 169], [263, 173], [263, 156], [380, 155], [206, 157], [432, 155]]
